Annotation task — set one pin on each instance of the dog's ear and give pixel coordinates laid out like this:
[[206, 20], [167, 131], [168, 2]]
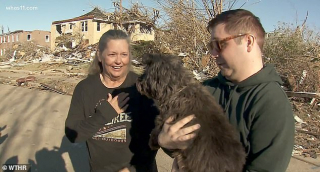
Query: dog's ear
[[147, 59]]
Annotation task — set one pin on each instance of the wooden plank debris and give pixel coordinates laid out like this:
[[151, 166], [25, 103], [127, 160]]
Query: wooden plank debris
[[27, 79], [53, 89], [303, 94]]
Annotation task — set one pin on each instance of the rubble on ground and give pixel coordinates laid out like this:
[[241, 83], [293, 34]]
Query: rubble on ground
[[307, 138], [27, 53]]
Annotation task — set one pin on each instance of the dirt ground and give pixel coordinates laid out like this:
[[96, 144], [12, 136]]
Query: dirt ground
[[59, 78], [56, 75]]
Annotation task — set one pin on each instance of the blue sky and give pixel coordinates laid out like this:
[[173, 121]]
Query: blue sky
[[269, 11]]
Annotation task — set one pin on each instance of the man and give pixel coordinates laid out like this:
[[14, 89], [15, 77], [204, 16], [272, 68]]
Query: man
[[249, 92]]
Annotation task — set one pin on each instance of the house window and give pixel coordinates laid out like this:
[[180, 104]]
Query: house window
[[47, 38], [58, 29], [4, 39], [1, 51], [17, 38], [28, 37], [98, 26], [84, 26], [8, 38], [70, 26], [1, 39], [12, 37]]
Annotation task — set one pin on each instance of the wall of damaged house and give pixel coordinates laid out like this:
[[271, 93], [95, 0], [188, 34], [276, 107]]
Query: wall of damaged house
[[7, 41], [63, 28], [99, 28], [138, 31], [73, 28], [89, 30], [38, 37]]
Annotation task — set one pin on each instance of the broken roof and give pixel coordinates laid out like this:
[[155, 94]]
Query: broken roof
[[96, 13], [8, 33], [19, 31]]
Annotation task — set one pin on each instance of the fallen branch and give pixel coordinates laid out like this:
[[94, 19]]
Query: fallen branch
[[53, 89], [77, 59], [301, 159], [303, 94], [76, 74], [310, 133], [64, 71]]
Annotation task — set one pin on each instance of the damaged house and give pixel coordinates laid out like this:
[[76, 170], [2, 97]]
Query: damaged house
[[89, 27], [38, 37]]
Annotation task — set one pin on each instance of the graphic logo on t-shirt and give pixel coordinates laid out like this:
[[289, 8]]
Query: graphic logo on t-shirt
[[114, 131]]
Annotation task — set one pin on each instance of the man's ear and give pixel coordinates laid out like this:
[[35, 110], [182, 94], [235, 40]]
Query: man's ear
[[250, 42]]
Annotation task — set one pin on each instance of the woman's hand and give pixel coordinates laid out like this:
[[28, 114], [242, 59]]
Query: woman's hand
[[119, 102], [175, 136], [124, 170]]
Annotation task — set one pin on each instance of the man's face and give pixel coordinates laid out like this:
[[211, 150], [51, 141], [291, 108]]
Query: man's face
[[230, 56]]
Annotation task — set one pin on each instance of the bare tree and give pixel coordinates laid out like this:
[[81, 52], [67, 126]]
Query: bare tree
[[183, 28], [134, 12]]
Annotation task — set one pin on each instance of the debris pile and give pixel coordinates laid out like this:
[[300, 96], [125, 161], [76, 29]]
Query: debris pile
[[307, 138], [80, 54], [26, 53]]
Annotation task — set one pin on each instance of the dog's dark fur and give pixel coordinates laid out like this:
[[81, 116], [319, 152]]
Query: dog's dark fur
[[177, 93]]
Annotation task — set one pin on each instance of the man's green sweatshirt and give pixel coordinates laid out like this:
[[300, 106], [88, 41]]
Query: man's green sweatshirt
[[261, 112]]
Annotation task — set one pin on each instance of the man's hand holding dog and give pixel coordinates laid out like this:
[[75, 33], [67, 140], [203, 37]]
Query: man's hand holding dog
[[175, 136]]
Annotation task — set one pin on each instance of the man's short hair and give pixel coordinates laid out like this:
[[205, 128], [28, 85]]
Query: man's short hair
[[239, 21]]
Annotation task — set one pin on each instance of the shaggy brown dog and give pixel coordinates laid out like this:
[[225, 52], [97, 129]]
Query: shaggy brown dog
[[178, 94]]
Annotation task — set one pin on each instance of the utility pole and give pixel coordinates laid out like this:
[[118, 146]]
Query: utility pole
[[221, 5], [194, 25], [120, 14]]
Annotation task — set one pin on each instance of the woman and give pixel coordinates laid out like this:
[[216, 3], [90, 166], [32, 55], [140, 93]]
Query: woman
[[108, 112]]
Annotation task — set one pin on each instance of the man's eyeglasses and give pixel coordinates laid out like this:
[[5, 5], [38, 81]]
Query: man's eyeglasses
[[218, 45]]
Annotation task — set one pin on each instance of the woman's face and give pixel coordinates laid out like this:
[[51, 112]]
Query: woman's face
[[115, 59]]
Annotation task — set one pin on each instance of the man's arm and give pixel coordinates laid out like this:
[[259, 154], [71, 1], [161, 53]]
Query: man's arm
[[271, 134]]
